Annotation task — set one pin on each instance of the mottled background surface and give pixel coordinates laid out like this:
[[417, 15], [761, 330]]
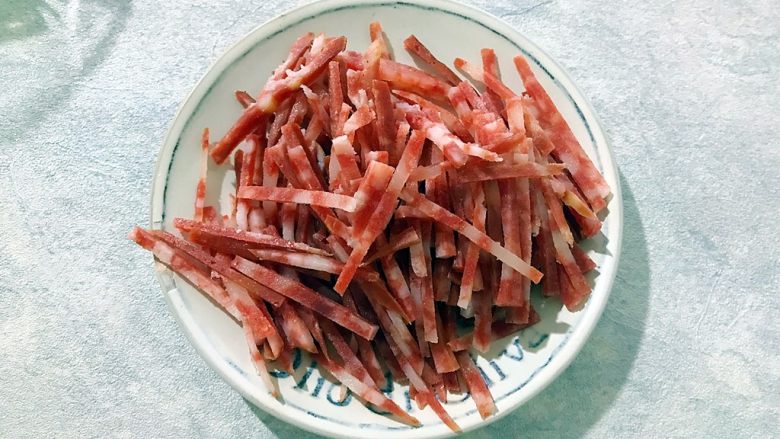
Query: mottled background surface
[[688, 93]]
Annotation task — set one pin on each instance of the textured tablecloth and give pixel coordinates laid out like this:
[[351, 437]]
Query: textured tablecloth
[[688, 94]]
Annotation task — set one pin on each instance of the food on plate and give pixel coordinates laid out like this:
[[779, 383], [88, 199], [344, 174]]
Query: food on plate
[[386, 216]]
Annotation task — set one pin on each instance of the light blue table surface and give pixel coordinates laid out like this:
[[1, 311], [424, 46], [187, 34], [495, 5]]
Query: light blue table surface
[[688, 93]]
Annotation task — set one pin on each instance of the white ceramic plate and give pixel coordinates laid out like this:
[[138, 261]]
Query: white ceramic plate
[[520, 366]]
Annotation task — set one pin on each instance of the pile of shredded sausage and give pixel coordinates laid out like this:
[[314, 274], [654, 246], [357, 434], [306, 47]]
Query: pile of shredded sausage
[[387, 217]]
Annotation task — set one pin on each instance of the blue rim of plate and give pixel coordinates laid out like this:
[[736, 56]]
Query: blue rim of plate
[[592, 127]]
